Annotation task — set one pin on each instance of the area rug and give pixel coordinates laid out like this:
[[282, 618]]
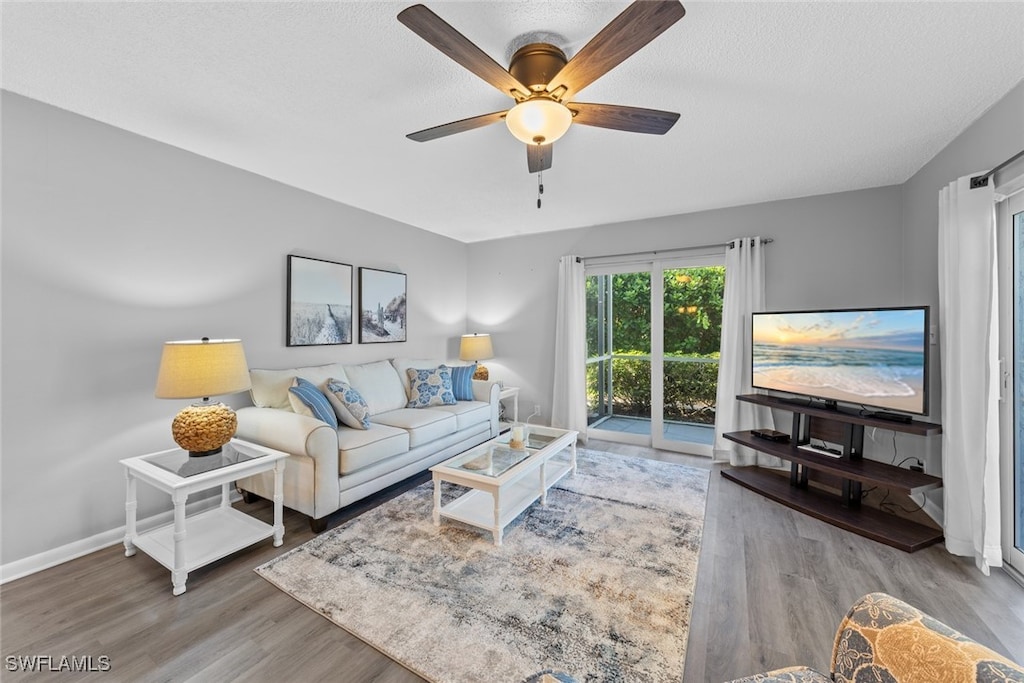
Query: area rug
[[597, 584]]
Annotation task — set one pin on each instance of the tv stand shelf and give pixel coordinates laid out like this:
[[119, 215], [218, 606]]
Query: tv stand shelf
[[851, 469]]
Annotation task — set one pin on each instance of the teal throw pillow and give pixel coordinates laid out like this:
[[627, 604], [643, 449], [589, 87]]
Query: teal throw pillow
[[431, 387], [462, 382], [314, 400], [349, 405]]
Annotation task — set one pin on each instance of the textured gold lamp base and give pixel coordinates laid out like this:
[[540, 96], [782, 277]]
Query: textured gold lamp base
[[481, 372], [202, 428]]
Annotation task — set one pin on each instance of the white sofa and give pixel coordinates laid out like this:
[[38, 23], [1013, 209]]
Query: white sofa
[[330, 468]]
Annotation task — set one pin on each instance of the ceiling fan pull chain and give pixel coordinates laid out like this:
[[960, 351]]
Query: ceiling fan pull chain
[[540, 186]]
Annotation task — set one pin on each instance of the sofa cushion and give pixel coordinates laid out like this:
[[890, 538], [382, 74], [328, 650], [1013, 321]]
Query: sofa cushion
[[468, 413], [423, 424], [430, 387], [462, 381], [348, 404], [379, 385], [360, 448], [270, 387], [307, 399]]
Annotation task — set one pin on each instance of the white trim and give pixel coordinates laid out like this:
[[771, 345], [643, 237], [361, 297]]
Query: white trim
[[619, 437], [71, 551], [1005, 212], [930, 507]]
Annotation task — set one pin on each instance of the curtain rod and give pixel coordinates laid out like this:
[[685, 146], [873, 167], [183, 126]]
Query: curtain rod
[[726, 245], [982, 180]]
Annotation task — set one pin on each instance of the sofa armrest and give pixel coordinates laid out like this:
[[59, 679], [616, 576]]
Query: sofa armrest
[[314, 449], [287, 431], [489, 392], [485, 390], [884, 635]]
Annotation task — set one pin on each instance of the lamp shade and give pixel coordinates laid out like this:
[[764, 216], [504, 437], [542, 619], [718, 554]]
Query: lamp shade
[[476, 347], [200, 368], [538, 121]]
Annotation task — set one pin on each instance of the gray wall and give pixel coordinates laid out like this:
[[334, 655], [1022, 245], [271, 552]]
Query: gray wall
[[994, 137], [114, 243], [838, 250], [876, 247]]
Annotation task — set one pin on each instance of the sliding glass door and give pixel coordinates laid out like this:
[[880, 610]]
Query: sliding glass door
[[691, 336], [653, 336], [619, 354], [1011, 269]]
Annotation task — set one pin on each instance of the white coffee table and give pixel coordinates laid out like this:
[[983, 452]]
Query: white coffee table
[[504, 481], [209, 535]]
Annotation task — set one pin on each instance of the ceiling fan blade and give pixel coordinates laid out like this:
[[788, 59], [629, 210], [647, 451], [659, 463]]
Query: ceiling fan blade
[[538, 157], [639, 24], [617, 117], [454, 127], [441, 35]]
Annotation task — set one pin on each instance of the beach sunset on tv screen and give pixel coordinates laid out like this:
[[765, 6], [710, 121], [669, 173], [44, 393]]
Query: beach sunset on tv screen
[[872, 357]]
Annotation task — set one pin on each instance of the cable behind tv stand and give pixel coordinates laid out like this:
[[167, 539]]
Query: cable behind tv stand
[[851, 471]]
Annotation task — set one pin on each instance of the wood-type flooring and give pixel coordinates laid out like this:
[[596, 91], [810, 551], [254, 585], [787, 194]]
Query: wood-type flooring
[[772, 586]]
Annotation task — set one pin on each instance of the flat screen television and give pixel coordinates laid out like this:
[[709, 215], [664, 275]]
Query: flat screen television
[[875, 358]]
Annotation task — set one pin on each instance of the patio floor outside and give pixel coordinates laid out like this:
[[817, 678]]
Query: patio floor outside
[[674, 431]]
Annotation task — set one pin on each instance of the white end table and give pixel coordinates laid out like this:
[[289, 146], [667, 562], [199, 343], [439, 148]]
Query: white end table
[[512, 393], [209, 535]]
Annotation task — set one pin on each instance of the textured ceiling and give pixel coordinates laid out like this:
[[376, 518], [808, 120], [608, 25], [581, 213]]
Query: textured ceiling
[[777, 99]]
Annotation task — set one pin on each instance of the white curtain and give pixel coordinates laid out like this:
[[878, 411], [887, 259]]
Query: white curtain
[[569, 402], [744, 294], [969, 338]]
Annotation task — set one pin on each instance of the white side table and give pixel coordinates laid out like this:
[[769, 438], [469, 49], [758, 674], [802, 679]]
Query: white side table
[[512, 393], [209, 535]]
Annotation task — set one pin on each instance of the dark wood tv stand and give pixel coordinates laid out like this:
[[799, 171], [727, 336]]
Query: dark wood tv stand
[[848, 473]]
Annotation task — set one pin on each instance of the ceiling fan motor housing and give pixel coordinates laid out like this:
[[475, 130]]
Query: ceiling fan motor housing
[[534, 65]]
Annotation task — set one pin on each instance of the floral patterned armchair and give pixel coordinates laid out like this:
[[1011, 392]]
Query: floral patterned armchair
[[885, 640]]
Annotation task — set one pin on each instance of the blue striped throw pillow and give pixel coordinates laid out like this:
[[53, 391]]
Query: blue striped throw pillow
[[462, 381], [314, 399]]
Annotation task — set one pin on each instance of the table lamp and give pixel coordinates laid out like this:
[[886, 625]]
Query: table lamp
[[201, 368], [477, 347]]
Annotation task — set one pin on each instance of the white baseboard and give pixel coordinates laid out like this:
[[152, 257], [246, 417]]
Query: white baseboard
[[930, 507], [75, 549]]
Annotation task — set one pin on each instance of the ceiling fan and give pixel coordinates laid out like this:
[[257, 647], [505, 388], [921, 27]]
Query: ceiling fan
[[543, 81]]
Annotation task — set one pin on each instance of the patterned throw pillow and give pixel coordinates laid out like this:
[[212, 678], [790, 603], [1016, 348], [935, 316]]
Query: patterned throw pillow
[[430, 387], [311, 398], [462, 382], [348, 404]]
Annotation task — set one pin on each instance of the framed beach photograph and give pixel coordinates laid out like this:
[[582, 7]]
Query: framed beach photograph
[[319, 302], [382, 316]]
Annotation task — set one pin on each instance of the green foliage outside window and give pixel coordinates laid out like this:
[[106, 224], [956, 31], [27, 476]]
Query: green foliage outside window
[[693, 322]]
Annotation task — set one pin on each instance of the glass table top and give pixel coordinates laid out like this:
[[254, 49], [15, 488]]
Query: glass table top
[[181, 463], [492, 460]]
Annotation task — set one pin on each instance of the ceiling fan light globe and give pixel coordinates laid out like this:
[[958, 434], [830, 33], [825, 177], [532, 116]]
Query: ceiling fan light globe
[[538, 121]]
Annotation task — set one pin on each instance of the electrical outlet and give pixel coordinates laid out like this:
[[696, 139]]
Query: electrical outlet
[[536, 409]]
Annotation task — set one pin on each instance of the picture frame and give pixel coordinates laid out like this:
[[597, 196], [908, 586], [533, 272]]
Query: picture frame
[[382, 306], [319, 302]]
